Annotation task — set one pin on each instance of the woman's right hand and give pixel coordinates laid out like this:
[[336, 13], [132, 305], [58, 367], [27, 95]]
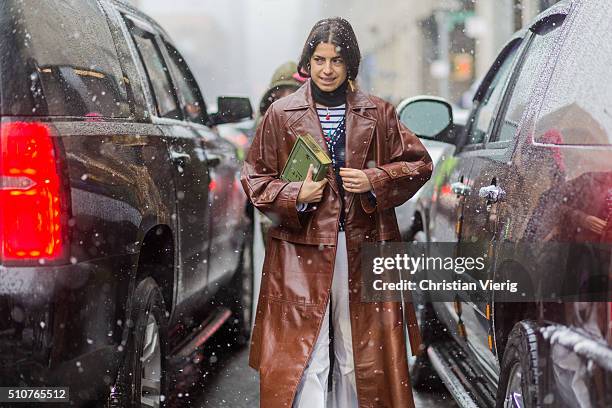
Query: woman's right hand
[[311, 191], [594, 224]]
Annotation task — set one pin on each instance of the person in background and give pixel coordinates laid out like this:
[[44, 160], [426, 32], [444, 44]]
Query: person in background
[[311, 285], [285, 81]]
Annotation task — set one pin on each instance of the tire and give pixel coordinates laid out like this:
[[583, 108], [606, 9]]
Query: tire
[[142, 379], [521, 369], [240, 297]]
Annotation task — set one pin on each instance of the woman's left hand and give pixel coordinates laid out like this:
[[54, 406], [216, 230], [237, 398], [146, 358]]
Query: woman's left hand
[[355, 181]]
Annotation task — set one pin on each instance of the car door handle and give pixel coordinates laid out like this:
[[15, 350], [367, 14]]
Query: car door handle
[[492, 193], [461, 189], [180, 158], [213, 161]]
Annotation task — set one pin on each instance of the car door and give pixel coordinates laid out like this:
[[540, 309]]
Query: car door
[[493, 178], [479, 215], [190, 167], [454, 189], [226, 200], [451, 186]]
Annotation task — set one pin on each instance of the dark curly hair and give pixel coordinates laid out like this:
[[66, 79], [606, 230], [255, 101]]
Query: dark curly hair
[[335, 31]]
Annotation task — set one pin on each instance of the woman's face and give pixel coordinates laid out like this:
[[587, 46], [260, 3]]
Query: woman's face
[[327, 68]]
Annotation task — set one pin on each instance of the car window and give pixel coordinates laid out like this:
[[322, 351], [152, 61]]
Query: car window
[[532, 65], [70, 65], [483, 116], [157, 72], [194, 109], [577, 105]]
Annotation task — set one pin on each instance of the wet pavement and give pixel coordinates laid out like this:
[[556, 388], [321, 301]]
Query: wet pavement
[[223, 379]]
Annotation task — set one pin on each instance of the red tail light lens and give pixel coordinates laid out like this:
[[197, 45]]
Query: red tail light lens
[[30, 194], [610, 323]]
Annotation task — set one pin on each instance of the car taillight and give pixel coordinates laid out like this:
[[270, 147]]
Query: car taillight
[[31, 227], [610, 323]]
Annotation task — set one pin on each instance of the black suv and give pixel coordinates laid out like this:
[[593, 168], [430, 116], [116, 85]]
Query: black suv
[[124, 239], [533, 169]]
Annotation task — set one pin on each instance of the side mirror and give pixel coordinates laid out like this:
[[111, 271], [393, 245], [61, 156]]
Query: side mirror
[[232, 109], [428, 117]]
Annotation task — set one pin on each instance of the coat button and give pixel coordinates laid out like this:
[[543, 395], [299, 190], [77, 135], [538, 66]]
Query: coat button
[[393, 173], [405, 170]]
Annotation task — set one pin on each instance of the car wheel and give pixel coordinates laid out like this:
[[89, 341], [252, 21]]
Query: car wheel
[[142, 380], [519, 384], [240, 294]]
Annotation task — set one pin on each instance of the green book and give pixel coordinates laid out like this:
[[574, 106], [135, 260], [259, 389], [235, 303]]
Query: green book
[[306, 151]]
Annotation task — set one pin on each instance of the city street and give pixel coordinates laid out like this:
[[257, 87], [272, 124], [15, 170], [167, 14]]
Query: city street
[[226, 381], [425, 175]]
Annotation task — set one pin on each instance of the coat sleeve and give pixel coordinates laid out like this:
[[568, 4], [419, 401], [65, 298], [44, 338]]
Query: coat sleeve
[[261, 181], [408, 168]]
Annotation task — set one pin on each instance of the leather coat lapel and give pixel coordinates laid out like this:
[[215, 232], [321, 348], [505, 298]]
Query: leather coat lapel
[[307, 121], [360, 126]]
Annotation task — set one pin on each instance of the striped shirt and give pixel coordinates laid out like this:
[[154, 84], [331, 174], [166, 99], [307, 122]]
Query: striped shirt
[[334, 132], [330, 118]]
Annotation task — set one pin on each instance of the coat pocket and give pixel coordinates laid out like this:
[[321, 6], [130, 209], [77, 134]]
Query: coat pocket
[[297, 273]]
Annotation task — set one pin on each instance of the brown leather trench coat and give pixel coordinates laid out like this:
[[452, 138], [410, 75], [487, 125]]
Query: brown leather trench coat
[[301, 248]]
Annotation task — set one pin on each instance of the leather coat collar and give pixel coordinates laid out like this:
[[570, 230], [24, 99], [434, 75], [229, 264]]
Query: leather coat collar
[[302, 99]]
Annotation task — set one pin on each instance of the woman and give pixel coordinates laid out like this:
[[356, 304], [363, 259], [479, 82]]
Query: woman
[[312, 266]]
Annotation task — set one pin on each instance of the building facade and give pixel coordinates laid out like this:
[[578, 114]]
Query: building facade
[[409, 47]]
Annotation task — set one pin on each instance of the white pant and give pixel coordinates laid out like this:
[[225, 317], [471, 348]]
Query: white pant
[[312, 389]]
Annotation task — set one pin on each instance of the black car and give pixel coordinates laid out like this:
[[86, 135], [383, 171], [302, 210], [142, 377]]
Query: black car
[[124, 237], [531, 173]]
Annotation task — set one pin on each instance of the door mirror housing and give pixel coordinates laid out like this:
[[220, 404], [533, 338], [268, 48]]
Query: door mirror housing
[[232, 109], [429, 118]]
